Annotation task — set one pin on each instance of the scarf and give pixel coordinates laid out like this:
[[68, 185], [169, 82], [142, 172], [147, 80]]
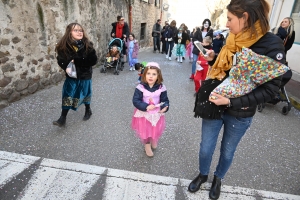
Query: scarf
[[234, 43], [119, 30], [77, 45]]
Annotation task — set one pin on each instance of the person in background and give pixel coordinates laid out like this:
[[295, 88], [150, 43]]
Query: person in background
[[120, 30], [132, 47], [218, 43], [170, 34], [286, 32], [156, 31], [205, 30], [75, 47], [163, 49]]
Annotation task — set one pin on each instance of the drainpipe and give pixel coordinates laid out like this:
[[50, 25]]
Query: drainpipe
[[130, 16], [161, 9]]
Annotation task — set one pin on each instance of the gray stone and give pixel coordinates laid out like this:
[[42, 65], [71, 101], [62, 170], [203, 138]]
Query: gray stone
[[20, 58], [35, 62], [8, 31], [45, 82], [24, 92], [15, 96], [47, 67], [55, 78], [22, 76], [41, 59], [21, 85], [32, 69], [47, 57], [20, 49], [3, 54], [4, 94], [4, 42], [30, 30], [5, 81], [33, 80], [3, 104], [4, 60], [33, 88], [9, 67], [16, 40], [52, 57]]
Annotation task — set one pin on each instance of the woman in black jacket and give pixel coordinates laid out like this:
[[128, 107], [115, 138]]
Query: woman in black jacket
[[248, 24], [286, 32], [205, 30], [75, 47]]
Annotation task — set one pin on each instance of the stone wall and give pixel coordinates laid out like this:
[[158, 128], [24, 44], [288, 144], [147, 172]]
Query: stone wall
[[29, 30]]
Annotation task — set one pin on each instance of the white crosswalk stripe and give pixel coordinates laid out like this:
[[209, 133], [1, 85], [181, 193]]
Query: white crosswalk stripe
[[57, 180]]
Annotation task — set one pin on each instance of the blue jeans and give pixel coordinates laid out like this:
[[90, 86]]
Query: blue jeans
[[156, 43], [234, 130], [195, 58], [169, 46]]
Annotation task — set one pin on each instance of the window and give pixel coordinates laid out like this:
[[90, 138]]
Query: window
[[145, 1], [296, 17], [157, 3], [143, 31]]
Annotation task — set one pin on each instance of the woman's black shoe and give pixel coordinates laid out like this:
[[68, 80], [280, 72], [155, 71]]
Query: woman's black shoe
[[60, 122], [196, 183], [87, 115], [215, 189]]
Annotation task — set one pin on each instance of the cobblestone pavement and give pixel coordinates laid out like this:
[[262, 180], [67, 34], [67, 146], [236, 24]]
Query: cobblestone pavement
[[268, 157]]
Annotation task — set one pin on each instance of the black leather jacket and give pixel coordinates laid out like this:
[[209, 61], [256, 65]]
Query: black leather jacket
[[245, 106]]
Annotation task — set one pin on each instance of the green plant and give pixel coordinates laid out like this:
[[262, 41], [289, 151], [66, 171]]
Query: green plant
[[41, 16]]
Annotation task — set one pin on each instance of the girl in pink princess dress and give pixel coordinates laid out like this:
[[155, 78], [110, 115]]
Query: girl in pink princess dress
[[151, 102]]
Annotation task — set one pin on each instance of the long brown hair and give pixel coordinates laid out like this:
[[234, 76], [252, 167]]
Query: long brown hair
[[256, 9], [66, 42]]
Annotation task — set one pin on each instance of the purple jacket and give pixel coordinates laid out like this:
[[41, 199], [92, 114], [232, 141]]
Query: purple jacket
[[135, 48]]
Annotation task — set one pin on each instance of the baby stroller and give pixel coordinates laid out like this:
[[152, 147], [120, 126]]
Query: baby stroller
[[118, 64], [282, 97]]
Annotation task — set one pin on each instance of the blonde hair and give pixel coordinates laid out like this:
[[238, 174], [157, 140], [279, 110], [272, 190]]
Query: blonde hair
[[208, 39], [290, 28]]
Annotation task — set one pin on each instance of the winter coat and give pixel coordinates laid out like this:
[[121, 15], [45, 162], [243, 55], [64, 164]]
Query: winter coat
[[271, 46], [198, 37], [282, 33], [184, 38], [217, 45], [135, 48], [83, 61], [125, 30], [156, 30], [138, 95], [170, 32]]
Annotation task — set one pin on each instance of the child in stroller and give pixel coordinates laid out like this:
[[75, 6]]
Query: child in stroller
[[114, 57]]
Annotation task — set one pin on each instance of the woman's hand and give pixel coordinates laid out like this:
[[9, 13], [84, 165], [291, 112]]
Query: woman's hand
[[209, 56], [218, 99], [124, 36], [164, 109]]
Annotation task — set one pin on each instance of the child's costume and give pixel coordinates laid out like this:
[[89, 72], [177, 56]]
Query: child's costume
[[149, 125], [201, 71], [250, 71], [132, 51]]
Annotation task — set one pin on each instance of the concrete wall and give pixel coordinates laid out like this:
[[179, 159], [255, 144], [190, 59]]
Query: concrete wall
[[29, 30]]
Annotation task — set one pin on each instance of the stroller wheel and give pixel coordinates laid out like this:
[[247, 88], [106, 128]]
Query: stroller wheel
[[285, 110], [260, 107], [102, 70]]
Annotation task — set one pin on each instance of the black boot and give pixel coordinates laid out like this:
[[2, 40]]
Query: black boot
[[215, 189], [196, 183], [88, 114], [60, 122]]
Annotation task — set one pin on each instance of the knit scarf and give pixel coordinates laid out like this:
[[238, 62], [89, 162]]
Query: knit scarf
[[234, 43], [119, 30]]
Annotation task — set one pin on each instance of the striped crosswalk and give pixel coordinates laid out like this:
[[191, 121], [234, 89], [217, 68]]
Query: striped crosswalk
[[26, 177]]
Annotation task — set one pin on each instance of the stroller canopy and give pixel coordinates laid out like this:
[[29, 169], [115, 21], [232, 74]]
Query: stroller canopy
[[116, 42]]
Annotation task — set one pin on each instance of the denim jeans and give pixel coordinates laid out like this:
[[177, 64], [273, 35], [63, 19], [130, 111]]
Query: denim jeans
[[169, 47], [234, 130], [195, 58], [156, 43]]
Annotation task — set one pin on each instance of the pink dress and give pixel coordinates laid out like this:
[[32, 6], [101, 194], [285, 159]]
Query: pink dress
[[149, 125]]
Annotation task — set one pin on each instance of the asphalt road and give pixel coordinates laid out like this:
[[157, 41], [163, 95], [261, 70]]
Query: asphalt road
[[268, 157]]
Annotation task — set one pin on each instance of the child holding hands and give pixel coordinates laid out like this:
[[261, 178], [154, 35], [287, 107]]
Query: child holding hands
[[151, 102]]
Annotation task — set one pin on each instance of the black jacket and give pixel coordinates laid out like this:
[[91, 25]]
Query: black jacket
[[125, 30], [198, 37], [185, 37], [271, 46], [83, 61], [282, 33], [217, 45]]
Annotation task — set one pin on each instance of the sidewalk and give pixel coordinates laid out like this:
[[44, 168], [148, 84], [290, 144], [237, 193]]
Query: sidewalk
[[29, 177], [293, 90]]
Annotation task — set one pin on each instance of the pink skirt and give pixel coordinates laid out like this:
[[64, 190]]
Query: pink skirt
[[148, 127]]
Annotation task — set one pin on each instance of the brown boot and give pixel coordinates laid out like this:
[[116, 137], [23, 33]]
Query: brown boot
[[148, 150]]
